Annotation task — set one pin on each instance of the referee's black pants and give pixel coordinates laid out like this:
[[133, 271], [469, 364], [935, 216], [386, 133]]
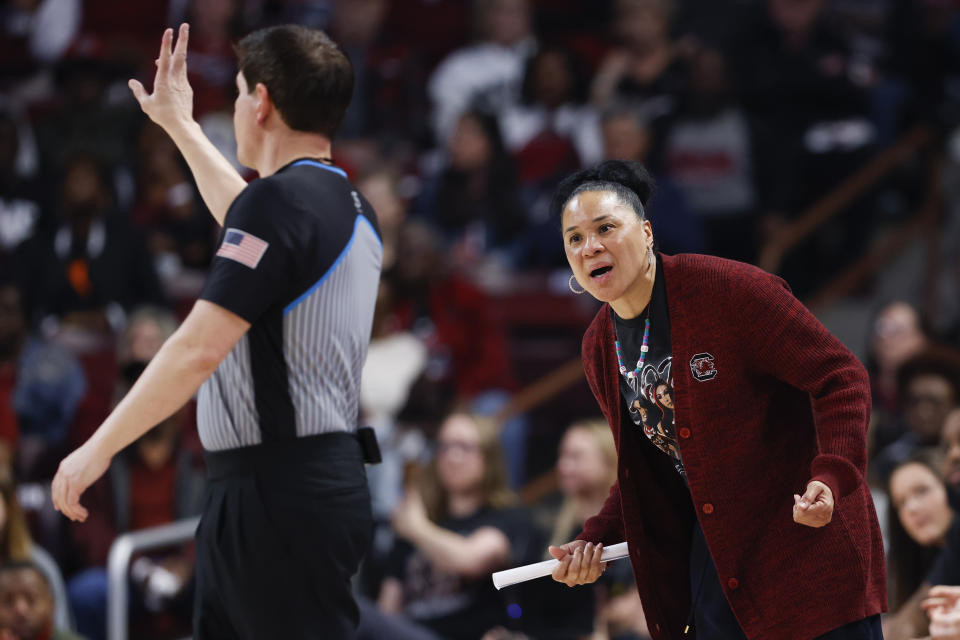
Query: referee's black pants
[[284, 528]]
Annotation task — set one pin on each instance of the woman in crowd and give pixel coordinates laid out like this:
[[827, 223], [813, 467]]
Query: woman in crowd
[[919, 521], [586, 469], [898, 333], [759, 390], [475, 201], [456, 528]]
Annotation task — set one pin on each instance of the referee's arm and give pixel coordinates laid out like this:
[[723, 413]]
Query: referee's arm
[[184, 361]]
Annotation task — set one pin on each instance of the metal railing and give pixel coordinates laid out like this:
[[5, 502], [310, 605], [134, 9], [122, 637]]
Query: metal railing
[[118, 567]]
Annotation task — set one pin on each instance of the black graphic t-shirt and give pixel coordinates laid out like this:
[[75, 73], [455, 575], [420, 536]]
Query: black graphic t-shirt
[[452, 606], [650, 404]]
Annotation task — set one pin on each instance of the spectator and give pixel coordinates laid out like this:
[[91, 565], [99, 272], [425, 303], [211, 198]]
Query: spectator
[[918, 525], [793, 72], [586, 469], [433, 27], [930, 383], [551, 133], [811, 117], [909, 621], [34, 33], [41, 386], [627, 136], [16, 546], [457, 527], [389, 98], [898, 333], [474, 201], [709, 157], [486, 75], [155, 481], [926, 43], [22, 204], [214, 24], [84, 117], [553, 94], [27, 604], [95, 263], [950, 448], [179, 229], [448, 313], [643, 69], [938, 590], [467, 354]]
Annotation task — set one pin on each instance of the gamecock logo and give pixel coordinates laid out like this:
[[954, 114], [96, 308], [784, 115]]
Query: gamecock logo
[[703, 367]]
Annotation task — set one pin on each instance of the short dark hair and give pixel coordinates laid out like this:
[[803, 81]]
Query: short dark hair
[[26, 565], [935, 361], [629, 180], [309, 78]]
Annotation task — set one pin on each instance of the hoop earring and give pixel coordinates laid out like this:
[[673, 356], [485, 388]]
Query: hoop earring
[[570, 284], [650, 257]]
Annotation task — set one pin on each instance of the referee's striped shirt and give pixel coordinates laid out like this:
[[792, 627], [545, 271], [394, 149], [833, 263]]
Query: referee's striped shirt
[[300, 260]]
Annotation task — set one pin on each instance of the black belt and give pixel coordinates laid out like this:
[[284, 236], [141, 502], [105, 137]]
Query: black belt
[[282, 454]]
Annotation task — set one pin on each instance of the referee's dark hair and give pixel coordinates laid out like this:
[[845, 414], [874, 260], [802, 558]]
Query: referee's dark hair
[[308, 77]]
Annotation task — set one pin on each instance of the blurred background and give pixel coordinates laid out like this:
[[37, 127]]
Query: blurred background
[[818, 139]]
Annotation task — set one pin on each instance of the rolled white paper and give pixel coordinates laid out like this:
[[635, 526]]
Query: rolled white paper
[[516, 575]]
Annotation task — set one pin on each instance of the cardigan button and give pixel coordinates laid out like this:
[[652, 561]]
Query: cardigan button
[[707, 508], [684, 432], [733, 583]]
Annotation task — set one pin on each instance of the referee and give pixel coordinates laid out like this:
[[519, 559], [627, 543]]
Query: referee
[[277, 341]]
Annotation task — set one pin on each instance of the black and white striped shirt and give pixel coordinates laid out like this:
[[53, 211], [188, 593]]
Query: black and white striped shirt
[[300, 260]]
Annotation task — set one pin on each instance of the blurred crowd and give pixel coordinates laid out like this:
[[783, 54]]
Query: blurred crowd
[[464, 118]]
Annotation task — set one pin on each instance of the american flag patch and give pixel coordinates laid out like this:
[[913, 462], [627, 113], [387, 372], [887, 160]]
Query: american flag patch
[[245, 248]]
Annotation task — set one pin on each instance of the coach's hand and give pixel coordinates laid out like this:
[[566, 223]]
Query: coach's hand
[[815, 507], [77, 471], [171, 104], [579, 562]]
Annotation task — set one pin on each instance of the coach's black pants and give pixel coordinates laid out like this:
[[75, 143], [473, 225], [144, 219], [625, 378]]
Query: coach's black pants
[[284, 528]]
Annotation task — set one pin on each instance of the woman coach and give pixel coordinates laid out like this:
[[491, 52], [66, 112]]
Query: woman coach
[[763, 404]]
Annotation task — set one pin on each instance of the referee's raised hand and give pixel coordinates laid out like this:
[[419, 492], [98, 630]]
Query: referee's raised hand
[[171, 103]]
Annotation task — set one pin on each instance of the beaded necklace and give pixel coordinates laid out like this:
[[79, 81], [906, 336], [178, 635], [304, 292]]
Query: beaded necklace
[[633, 376]]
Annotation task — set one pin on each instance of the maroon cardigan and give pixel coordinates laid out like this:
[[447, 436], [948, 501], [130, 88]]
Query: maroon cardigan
[[766, 399]]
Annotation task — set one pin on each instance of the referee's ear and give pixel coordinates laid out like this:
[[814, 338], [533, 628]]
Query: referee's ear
[[265, 106]]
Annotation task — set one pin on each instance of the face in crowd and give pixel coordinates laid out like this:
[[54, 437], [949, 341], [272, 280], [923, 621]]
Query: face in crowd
[[920, 499], [897, 335], [26, 604], [583, 468], [950, 445], [460, 461], [929, 398]]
